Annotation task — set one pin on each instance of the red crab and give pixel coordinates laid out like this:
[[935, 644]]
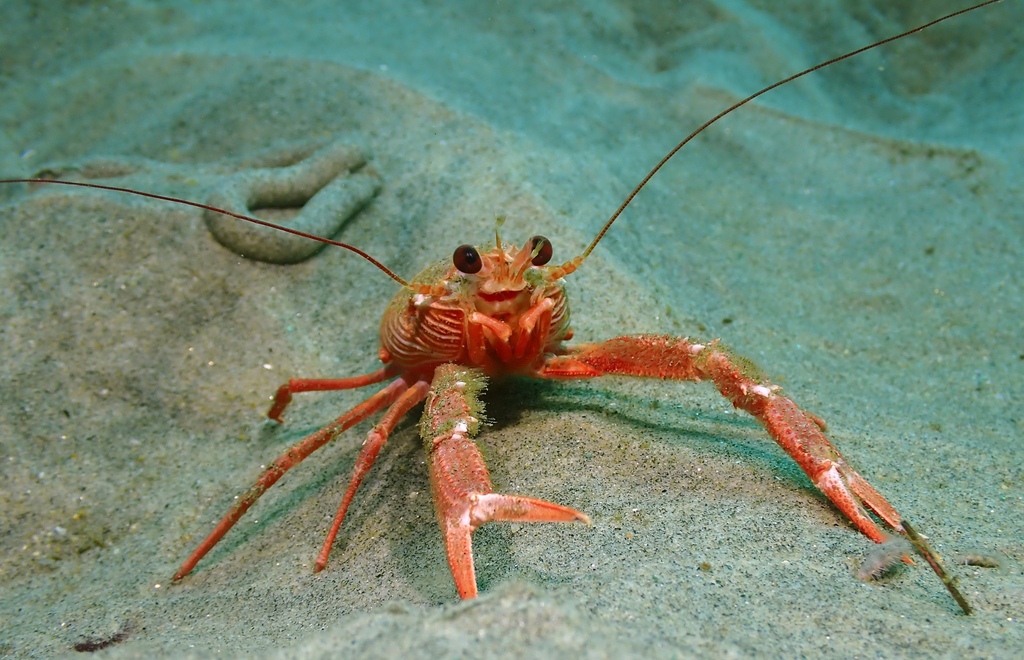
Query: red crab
[[504, 311]]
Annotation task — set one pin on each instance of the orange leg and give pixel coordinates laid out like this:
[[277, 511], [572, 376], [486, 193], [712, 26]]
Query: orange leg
[[289, 459], [375, 440], [296, 385], [463, 494], [797, 432]]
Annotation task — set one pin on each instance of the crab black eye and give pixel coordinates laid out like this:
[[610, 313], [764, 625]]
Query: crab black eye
[[544, 253], [467, 259]]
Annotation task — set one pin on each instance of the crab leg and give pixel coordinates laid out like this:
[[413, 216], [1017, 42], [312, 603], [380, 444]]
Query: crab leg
[[374, 442], [289, 459], [797, 432], [295, 385], [463, 494]]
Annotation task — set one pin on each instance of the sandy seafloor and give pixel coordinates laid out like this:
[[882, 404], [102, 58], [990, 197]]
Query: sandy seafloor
[[859, 235]]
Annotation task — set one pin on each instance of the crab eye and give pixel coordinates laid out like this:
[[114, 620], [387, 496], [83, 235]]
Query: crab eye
[[544, 254], [467, 259]]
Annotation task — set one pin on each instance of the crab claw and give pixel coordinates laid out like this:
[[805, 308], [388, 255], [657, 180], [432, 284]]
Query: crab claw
[[802, 438], [463, 494], [460, 518]]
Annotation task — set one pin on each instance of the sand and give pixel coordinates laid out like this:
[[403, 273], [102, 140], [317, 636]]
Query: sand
[[858, 235]]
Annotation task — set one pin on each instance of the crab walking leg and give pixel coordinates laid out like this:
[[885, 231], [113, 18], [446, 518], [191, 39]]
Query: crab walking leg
[[800, 434], [463, 494], [295, 385], [288, 460], [374, 442]]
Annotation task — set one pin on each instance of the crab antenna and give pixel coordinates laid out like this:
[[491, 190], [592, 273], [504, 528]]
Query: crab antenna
[[256, 221], [738, 104]]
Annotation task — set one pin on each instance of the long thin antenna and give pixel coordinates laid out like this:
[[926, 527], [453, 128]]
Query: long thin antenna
[[256, 221], [738, 104]]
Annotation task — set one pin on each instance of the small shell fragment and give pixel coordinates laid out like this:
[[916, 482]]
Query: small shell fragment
[[882, 559]]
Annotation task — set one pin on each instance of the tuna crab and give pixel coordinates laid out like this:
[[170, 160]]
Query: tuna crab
[[504, 311]]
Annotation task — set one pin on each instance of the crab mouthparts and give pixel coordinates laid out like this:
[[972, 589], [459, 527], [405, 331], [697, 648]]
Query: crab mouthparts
[[499, 296]]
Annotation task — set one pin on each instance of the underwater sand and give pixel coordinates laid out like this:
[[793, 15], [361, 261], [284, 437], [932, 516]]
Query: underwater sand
[[858, 234]]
